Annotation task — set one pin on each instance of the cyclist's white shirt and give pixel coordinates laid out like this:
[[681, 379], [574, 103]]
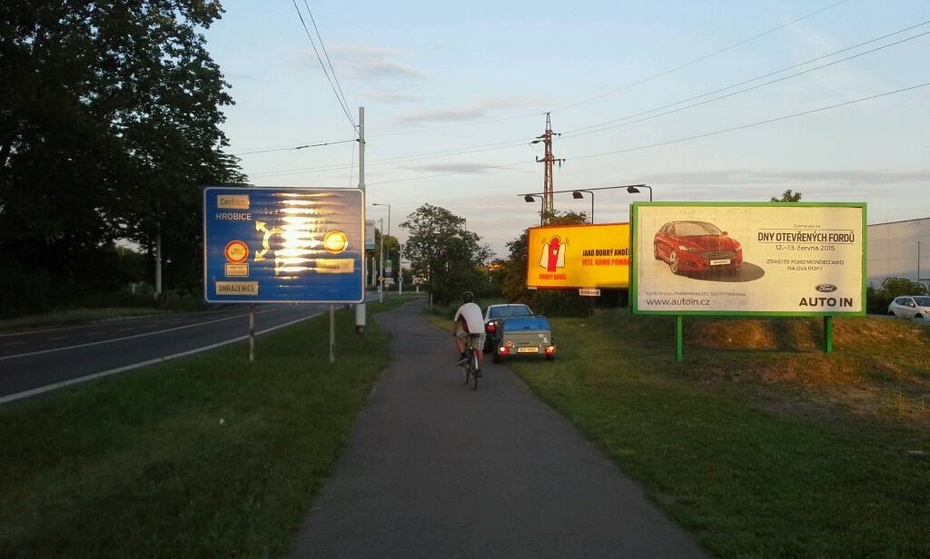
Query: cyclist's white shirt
[[471, 312]]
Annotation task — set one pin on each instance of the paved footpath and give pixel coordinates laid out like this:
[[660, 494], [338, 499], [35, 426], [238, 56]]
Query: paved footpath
[[435, 470]]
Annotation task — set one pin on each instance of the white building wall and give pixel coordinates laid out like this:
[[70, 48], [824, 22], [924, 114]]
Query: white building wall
[[899, 249]]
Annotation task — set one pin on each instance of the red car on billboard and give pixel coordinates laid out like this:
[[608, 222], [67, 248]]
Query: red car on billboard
[[696, 246]]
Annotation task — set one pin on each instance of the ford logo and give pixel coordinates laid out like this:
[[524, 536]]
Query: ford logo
[[826, 288]]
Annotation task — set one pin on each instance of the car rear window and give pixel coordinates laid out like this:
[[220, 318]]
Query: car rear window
[[922, 301], [507, 312]]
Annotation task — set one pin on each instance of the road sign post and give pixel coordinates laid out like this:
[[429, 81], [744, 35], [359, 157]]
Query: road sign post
[[288, 245]]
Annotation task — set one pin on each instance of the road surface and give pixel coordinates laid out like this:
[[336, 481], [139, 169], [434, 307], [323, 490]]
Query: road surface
[[33, 362]]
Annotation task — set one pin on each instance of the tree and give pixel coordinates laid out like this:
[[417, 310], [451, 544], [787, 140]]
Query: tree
[[109, 124], [788, 196], [896, 287], [443, 254]]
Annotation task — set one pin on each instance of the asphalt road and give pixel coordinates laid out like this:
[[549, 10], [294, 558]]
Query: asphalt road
[[435, 470], [35, 361]]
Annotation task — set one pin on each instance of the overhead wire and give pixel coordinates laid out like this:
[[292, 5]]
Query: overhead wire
[[603, 126], [700, 58], [336, 91], [290, 148], [329, 62], [694, 137], [756, 124], [607, 94]]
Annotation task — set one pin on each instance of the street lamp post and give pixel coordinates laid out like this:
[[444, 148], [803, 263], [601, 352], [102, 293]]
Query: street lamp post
[[530, 198], [578, 195], [382, 246], [381, 273]]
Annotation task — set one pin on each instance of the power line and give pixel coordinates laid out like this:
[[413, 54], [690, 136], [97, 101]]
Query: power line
[[600, 127], [695, 137], [341, 100], [407, 158], [290, 148], [629, 86], [330, 63], [700, 58], [603, 126], [755, 124]]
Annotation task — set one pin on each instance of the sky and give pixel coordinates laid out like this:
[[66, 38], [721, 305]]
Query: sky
[[710, 100]]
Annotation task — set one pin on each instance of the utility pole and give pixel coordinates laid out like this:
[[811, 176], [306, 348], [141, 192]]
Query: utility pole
[[547, 160], [360, 308]]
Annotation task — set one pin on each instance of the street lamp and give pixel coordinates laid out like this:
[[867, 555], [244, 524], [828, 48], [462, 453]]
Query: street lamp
[[530, 198], [382, 246], [578, 195], [633, 190], [389, 216]]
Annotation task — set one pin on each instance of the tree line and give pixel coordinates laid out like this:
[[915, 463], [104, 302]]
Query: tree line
[[110, 119]]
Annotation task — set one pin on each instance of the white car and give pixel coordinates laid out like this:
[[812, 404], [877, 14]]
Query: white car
[[910, 306]]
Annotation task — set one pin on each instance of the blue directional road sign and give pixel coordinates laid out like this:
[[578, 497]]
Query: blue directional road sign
[[283, 245]]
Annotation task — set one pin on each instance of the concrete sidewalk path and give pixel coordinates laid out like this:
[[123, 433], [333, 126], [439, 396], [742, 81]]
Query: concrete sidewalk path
[[436, 470]]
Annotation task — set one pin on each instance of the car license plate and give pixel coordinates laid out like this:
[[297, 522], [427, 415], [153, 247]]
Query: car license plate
[[527, 350], [721, 262]]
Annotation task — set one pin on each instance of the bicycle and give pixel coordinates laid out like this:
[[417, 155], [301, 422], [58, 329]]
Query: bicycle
[[470, 370]]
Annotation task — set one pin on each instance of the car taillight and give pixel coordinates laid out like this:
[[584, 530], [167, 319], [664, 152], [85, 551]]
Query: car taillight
[[504, 350], [550, 350], [490, 327]]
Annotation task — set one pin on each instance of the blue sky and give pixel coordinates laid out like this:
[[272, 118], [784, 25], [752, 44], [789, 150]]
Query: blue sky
[[455, 92]]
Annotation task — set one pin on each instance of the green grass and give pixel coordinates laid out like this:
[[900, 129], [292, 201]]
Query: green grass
[[758, 443], [208, 456]]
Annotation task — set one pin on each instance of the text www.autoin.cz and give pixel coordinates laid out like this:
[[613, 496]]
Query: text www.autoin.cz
[[679, 302]]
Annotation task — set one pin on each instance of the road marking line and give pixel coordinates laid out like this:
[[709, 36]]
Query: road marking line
[[97, 323], [69, 382], [89, 344]]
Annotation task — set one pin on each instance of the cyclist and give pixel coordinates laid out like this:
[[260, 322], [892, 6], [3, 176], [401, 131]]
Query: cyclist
[[468, 320]]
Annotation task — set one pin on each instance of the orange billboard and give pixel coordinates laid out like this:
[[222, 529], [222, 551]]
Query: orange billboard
[[578, 256]]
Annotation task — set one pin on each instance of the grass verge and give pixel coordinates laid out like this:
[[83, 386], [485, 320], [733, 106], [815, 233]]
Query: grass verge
[[759, 443], [207, 456]]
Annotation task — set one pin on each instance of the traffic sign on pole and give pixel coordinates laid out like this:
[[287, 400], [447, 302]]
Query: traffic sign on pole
[[291, 245]]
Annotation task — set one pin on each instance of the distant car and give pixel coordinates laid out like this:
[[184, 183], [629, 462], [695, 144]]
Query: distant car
[[910, 306], [696, 246], [494, 316]]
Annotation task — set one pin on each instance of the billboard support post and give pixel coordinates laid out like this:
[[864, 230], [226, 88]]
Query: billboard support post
[[332, 333], [828, 334], [679, 335], [251, 333]]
